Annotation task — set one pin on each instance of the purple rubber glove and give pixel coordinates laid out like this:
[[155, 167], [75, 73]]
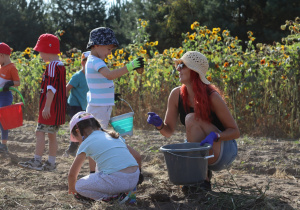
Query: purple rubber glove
[[154, 119], [210, 138]]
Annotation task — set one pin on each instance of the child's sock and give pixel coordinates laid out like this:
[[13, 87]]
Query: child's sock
[[51, 159], [37, 157]]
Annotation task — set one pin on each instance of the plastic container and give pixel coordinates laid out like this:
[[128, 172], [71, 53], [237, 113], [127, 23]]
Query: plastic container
[[123, 124], [187, 162], [11, 116]]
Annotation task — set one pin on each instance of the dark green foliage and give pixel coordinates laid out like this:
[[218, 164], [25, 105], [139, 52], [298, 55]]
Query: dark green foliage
[[23, 21]]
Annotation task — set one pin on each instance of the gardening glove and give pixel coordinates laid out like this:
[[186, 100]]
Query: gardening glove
[[135, 64], [7, 85], [210, 138], [154, 119], [117, 97]]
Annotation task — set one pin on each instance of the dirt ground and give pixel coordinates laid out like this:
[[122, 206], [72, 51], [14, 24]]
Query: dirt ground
[[265, 175]]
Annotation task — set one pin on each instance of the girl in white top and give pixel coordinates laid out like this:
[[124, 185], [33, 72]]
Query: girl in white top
[[118, 170]]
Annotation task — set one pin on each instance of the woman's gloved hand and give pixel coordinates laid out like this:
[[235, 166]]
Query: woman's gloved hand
[[209, 139], [154, 119], [135, 64]]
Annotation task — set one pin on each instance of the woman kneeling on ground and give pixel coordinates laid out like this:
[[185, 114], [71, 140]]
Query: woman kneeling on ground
[[117, 163], [204, 113]]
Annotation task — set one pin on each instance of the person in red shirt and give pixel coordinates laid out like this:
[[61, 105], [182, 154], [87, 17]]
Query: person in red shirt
[[52, 105], [8, 77]]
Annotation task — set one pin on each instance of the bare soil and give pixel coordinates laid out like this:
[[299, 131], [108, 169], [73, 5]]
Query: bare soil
[[265, 175]]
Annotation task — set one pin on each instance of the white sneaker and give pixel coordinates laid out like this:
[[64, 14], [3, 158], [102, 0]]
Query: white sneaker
[[32, 164]]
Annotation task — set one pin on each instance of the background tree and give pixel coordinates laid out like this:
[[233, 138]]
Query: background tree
[[22, 21], [77, 18]]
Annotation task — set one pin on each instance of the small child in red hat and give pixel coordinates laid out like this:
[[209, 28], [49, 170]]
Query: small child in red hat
[[52, 105], [8, 77]]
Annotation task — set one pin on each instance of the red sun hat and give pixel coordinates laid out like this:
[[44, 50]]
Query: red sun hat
[[4, 48], [47, 43]]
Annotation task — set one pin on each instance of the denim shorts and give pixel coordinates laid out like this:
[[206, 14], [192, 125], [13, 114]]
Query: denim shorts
[[227, 156]]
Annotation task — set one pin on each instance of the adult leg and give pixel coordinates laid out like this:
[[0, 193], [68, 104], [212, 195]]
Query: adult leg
[[197, 130]]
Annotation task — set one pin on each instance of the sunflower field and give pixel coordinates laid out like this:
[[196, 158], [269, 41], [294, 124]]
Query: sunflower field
[[261, 83]]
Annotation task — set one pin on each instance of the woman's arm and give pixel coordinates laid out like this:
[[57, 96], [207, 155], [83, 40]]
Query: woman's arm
[[171, 114], [220, 108], [74, 171]]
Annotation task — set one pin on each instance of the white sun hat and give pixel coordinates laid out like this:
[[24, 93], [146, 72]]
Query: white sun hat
[[195, 61]]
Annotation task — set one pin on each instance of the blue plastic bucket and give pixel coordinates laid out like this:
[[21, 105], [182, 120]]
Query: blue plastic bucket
[[123, 124]]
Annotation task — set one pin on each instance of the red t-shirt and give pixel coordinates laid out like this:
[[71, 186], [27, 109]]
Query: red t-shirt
[[54, 79]]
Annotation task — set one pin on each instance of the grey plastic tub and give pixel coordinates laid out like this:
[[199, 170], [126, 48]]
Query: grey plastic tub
[[187, 162]]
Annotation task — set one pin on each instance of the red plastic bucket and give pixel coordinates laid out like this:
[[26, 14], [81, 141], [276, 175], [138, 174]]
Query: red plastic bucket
[[11, 116]]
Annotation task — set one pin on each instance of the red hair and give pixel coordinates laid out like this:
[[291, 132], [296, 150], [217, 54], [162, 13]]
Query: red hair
[[201, 100]]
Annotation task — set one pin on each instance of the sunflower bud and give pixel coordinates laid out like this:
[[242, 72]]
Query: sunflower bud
[[283, 27]]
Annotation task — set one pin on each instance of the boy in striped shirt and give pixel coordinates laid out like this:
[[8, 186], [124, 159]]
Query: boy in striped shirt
[[99, 78], [52, 105]]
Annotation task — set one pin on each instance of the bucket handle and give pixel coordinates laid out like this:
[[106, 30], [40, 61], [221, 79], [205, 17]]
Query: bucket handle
[[14, 89], [205, 157], [126, 103]]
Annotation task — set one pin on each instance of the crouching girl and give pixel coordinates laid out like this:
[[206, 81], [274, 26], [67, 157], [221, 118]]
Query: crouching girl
[[117, 164]]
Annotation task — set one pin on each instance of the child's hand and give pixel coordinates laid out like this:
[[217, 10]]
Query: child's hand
[[46, 113], [135, 64]]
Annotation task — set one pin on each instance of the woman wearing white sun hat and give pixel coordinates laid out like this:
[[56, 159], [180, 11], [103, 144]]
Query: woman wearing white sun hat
[[204, 113]]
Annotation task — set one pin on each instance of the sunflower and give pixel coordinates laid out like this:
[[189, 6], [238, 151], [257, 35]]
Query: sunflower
[[262, 61], [27, 51], [209, 78], [192, 26], [191, 37], [226, 64], [110, 56], [68, 60]]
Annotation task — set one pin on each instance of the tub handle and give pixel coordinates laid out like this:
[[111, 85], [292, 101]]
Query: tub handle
[[205, 157]]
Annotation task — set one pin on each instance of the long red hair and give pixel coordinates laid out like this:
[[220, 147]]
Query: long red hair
[[201, 100]]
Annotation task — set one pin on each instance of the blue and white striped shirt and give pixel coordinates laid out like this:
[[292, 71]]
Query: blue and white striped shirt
[[101, 90]]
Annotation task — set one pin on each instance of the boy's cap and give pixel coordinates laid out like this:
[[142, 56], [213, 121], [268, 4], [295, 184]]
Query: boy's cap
[[102, 36], [77, 118], [4, 48], [47, 43], [84, 55]]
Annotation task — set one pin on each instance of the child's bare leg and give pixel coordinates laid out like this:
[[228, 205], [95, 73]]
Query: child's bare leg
[[53, 146], [40, 143]]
